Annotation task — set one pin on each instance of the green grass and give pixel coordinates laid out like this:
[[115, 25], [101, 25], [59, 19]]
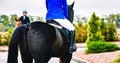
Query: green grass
[[116, 60]]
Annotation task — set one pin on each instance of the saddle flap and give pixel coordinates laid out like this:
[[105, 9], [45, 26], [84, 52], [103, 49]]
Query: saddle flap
[[58, 40]]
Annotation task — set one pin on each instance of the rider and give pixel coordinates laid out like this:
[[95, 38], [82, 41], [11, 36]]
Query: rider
[[25, 19], [57, 10]]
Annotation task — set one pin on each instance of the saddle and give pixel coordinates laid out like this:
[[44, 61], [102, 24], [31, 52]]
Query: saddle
[[59, 29]]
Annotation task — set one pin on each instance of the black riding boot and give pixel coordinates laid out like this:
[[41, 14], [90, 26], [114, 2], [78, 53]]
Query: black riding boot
[[72, 46]]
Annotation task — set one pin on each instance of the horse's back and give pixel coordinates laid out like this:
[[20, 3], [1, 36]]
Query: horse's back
[[41, 26]]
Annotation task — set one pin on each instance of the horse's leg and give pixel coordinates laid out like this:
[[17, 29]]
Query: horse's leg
[[60, 60], [24, 49], [66, 59], [27, 58], [25, 55], [42, 60]]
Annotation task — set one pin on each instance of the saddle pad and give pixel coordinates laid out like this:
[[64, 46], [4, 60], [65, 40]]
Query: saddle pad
[[57, 26]]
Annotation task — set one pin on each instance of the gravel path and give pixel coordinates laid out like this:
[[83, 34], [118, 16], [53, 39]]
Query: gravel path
[[106, 57]]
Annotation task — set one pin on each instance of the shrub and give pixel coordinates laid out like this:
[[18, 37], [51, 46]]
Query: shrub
[[94, 30], [5, 38], [0, 37], [81, 32], [81, 35], [10, 30], [98, 47], [2, 28]]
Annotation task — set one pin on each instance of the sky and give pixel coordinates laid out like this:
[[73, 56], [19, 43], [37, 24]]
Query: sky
[[82, 7]]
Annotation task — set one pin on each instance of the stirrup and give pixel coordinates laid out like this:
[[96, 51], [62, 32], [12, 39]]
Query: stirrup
[[72, 48]]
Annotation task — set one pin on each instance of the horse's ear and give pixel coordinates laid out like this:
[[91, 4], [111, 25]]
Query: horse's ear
[[73, 4], [15, 19]]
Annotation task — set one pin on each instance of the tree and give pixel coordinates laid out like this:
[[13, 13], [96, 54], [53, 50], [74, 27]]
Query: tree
[[117, 21], [84, 20], [94, 30], [39, 19], [5, 22], [78, 18], [103, 28], [31, 18], [110, 31], [12, 19], [111, 17]]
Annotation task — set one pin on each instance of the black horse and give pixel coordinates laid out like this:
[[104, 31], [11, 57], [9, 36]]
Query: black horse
[[39, 41], [71, 12]]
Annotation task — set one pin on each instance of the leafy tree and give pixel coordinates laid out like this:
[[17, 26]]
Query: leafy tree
[[115, 18], [39, 19], [78, 18], [12, 19], [5, 22], [94, 30], [111, 17], [117, 21], [31, 18], [84, 20], [35, 18]]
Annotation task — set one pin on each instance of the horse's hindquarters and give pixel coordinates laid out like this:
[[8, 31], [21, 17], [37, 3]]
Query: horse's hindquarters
[[40, 39]]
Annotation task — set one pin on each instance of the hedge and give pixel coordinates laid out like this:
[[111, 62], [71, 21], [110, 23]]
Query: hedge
[[98, 47]]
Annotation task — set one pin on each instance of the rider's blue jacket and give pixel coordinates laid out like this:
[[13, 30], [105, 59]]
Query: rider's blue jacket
[[56, 9]]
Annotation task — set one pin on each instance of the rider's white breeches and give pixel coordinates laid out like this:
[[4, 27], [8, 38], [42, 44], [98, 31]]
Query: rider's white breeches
[[65, 23]]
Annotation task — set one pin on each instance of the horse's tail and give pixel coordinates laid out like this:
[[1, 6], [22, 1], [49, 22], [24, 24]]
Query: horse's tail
[[19, 38], [13, 47]]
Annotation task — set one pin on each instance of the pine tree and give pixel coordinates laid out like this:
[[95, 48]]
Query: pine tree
[[112, 33], [104, 29], [94, 30]]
